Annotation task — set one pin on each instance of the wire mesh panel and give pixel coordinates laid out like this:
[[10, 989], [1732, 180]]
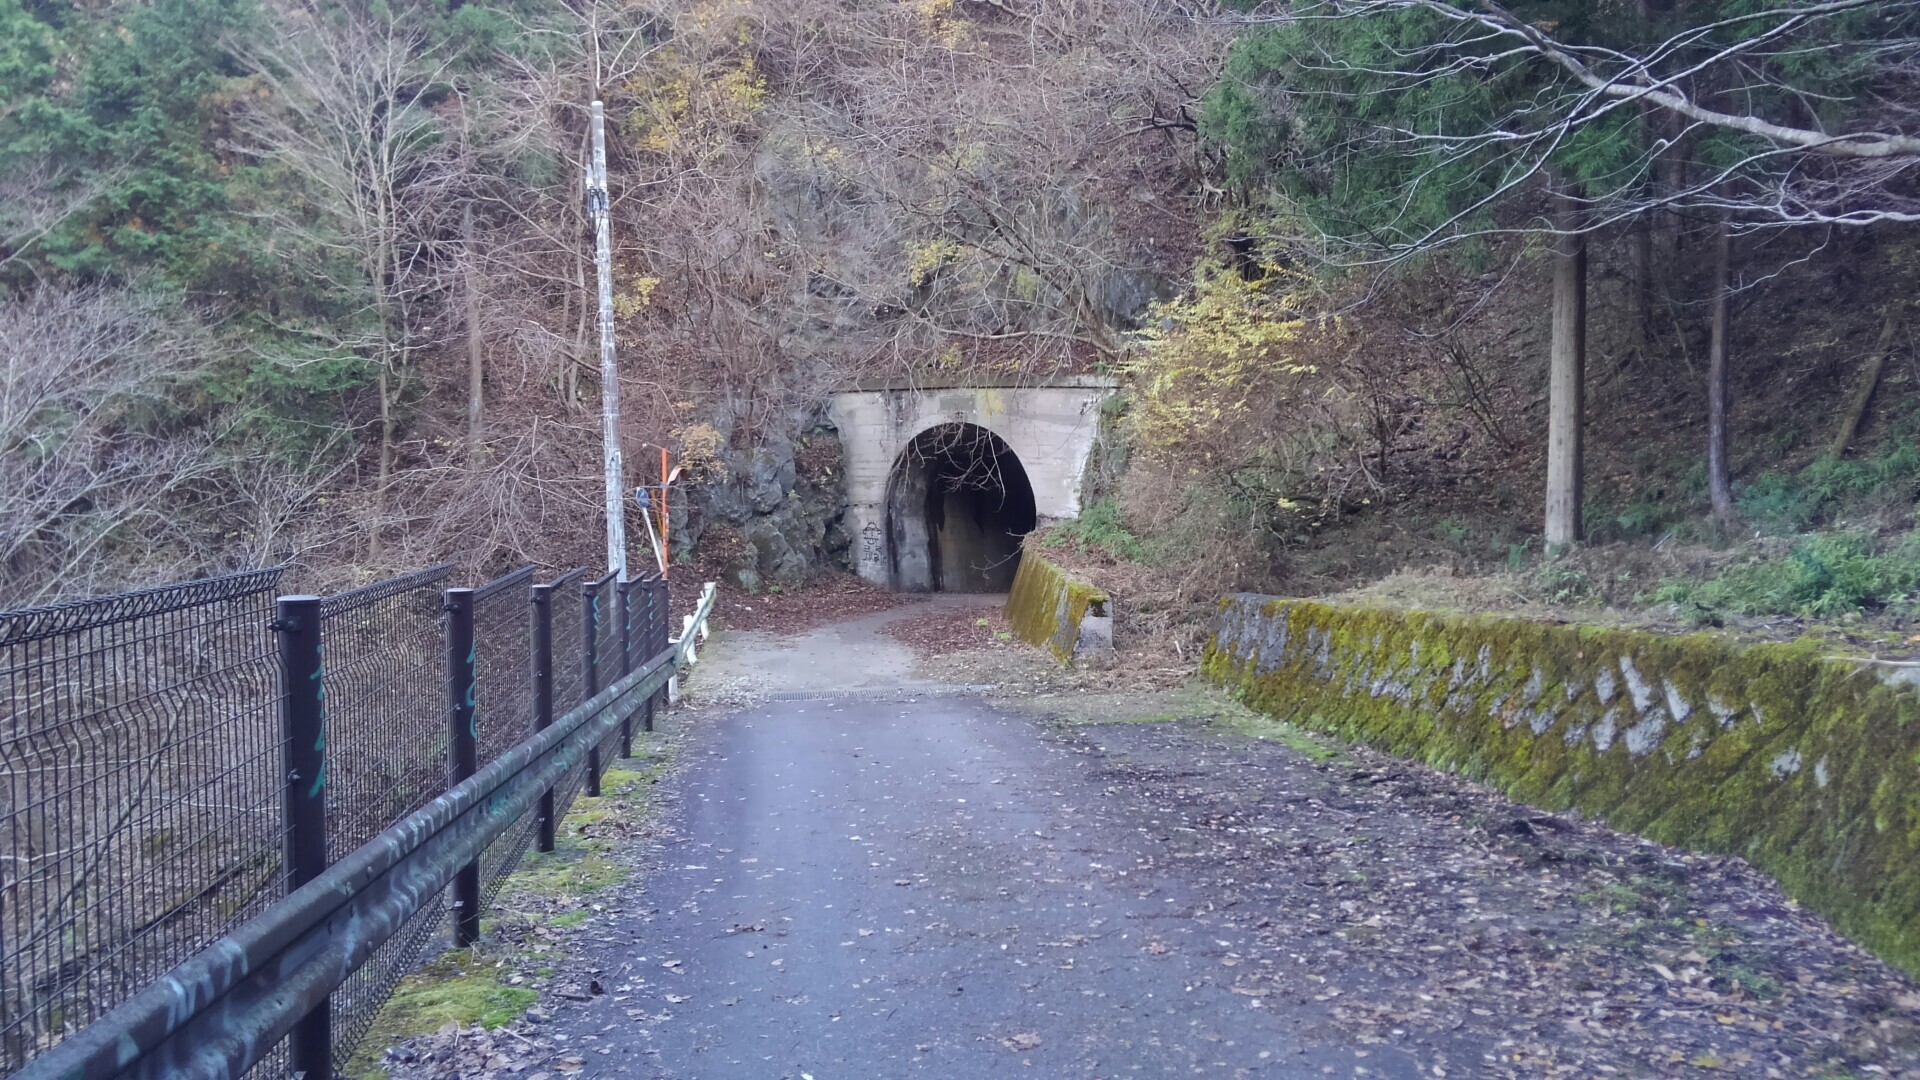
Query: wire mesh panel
[[659, 614], [386, 704], [569, 673], [139, 793], [569, 644], [386, 753], [503, 662], [606, 652], [503, 700], [649, 614], [606, 646], [356, 1004]]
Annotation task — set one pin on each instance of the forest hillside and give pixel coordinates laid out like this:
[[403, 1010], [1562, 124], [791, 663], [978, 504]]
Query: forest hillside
[[1601, 310]]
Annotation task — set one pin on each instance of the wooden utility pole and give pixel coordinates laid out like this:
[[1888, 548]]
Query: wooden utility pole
[[1719, 485], [598, 205], [1566, 372]]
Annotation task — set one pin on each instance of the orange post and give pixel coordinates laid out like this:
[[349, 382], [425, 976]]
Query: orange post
[[666, 556]]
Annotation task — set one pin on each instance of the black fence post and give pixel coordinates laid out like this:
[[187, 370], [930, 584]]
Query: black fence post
[[543, 693], [625, 591], [463, 749], [303, 756], [590, 670]]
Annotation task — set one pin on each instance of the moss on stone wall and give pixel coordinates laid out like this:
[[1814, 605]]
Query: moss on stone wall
[[1807, 767], [1047, 604]]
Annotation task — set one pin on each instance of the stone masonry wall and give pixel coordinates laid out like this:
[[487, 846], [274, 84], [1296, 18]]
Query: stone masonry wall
[[1807, 766]]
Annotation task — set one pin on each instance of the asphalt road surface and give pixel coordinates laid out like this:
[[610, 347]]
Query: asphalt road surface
[[907, 880], [878, 888]]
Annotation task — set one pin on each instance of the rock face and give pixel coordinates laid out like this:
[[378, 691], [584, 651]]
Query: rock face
[[772, 513]]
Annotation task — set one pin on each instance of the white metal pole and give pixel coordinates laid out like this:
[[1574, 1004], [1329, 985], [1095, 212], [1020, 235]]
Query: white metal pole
[[598, 205]]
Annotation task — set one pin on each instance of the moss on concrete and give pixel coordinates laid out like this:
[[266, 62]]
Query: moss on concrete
[[1046, 605], [1806, 766]]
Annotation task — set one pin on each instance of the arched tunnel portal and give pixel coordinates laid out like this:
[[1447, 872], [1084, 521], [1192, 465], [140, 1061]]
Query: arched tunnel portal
[[958, 502]]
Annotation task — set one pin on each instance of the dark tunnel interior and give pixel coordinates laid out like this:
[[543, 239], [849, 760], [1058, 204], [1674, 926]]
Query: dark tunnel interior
[[958, 504]]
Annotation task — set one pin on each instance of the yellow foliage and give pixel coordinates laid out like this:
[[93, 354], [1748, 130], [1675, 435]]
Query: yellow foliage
[[702, 451], [925, 259], [1210, 366], [635, 299], [686, 106], [944, 25]]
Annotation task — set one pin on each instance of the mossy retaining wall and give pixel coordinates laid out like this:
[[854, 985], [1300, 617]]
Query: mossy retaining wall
[[1046, 605], [1808, 767]]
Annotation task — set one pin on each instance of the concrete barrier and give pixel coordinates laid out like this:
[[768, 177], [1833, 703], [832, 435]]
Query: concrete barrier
[[1806, 765], [1060, 613]]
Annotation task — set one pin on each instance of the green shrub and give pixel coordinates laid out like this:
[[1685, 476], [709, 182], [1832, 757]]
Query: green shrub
[[1784, 501], [1823, 577], [1562, 583], [1100, 528]]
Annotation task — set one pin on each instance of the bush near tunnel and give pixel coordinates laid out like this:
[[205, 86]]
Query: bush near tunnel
[[1807, 766]]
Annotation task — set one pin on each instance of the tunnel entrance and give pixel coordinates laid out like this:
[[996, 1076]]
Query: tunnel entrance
[[958, 503]]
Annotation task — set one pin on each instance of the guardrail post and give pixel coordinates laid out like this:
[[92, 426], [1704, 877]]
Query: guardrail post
[[463, 748], [590, 670], [303, 756], [625, 591], [543, 693], [656, 640]]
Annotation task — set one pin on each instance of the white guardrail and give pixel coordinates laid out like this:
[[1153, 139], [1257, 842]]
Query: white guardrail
[[693, 630]]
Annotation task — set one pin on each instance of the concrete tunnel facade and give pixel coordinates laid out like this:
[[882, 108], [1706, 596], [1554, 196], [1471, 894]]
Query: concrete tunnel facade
[[942, 481]]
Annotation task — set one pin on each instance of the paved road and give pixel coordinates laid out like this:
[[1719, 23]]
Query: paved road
[[916, 882], [879, 888]]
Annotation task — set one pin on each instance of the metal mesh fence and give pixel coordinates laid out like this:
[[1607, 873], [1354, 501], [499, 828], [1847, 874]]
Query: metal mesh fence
[[139, 793], [386, 754], [605, 603], [569, 643], [503, 696], [142, 769], [606, 642], [569, 673], [503, 665], [386, 704], [356, 1004]]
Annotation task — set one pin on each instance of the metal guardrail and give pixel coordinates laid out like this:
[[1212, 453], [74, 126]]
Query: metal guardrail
[[215, 1015], [447, 835]]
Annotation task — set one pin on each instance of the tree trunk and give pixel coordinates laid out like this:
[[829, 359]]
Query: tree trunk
[[1566, 373], [1868, 383], [1643, 284], [476, 346], [1719, 488], [385, 385]]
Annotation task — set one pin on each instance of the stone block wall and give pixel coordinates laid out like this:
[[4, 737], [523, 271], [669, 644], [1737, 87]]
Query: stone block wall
[[1806, 765]]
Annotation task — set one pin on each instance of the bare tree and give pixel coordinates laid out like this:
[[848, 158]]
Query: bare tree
[[348, 119], [86, 494]]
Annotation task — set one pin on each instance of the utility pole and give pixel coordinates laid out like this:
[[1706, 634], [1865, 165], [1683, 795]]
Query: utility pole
[[598, 206]]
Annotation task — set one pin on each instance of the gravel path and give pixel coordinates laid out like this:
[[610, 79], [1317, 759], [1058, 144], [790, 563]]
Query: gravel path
[[916, 883]]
